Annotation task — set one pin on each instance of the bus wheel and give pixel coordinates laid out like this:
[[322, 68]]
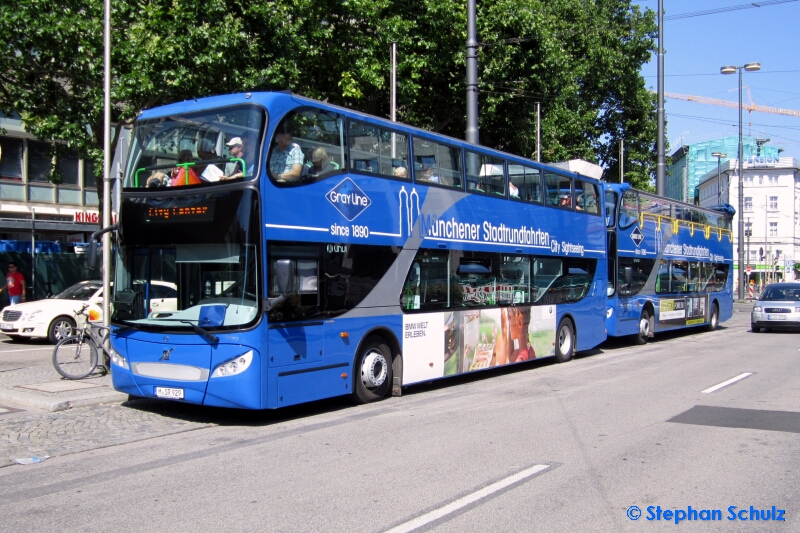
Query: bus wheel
[[565, 341], [373, 370], [644, 329], [713, 322]]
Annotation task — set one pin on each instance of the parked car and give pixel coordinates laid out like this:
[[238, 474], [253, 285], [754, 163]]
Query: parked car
[[778, 307], [54, 317]]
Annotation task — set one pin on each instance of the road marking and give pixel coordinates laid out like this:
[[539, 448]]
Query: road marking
[[726, 383], [452, 507], [28, 350]]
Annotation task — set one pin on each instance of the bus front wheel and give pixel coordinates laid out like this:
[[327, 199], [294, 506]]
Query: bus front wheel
[[565, 341], [643, 334], [373, 370]]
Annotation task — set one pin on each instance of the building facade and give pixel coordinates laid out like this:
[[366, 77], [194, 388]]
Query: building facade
[[771, 214], [692, 161], [30, 204]]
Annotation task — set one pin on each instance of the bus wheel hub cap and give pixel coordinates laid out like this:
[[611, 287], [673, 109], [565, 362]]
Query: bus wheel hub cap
[[373, 370]]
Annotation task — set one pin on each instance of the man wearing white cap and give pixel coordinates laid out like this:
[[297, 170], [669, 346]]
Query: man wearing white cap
[[286, 161], [234, 170]]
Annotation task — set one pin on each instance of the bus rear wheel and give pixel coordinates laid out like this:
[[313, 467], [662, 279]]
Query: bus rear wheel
[[372, 371], [713, 322], [565, 340], [643, 334]]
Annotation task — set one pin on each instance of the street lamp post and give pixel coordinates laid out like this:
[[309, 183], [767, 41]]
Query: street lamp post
[[719, 156], [749, 67]]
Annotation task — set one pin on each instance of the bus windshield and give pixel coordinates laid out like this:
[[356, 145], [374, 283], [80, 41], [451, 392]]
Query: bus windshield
[[213, 146], [189, 261]]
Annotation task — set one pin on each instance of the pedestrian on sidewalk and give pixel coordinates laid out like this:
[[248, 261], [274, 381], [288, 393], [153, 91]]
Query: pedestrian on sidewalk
[[15, 285]]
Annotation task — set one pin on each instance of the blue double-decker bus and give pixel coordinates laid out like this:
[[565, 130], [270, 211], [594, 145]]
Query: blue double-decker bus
[[298, 251], [670, 264]]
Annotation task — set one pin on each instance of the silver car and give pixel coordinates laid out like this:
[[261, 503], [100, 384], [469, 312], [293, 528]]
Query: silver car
[[778, 307]]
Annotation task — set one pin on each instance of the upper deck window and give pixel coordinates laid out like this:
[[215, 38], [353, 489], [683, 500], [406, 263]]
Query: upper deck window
[[211, 146], [559, 190], [378, 150], [524, 183], [586, 197], [437, 164], [485, 174], [307, 146]]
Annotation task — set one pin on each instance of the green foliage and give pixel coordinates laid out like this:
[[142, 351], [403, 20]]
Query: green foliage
[[579, 58]]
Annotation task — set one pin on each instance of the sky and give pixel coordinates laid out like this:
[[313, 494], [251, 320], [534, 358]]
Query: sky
[[697, 47]]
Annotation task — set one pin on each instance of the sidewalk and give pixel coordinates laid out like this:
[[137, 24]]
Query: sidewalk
[[41, 387]]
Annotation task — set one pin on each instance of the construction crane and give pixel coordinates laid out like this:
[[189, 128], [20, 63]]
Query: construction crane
[[752, 106]]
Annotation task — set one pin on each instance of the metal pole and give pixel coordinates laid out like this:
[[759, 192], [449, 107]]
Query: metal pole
[[621, 160], [741, 196], [33, 255], [719, 188], [749, 232], [539, 131], [393, 105], [107, 165], [472, 75], [393, 110], [660, 168]]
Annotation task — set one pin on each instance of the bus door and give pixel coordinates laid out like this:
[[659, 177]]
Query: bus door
[[611, 241], [296, 326]]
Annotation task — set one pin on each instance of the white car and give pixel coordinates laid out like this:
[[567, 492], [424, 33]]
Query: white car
[[54, 317]]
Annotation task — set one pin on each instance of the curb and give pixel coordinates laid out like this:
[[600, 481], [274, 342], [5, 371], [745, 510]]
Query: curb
[[27, 399]]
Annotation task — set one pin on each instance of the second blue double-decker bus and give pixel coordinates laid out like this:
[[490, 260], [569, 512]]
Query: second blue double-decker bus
[[670, 264], [311, 251]]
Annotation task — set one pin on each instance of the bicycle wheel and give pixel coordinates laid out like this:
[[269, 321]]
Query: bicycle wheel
[[75, 357]]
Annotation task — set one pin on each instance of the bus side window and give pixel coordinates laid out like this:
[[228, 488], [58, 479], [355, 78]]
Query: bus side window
[[377, 150], [485, 174], [445, 161], [524, 183], [426, 285]]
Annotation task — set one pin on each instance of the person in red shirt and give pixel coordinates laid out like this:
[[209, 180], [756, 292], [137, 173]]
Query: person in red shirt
[[15, 285]]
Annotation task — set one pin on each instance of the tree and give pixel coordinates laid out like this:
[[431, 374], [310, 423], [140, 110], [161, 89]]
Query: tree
[[580, 58]]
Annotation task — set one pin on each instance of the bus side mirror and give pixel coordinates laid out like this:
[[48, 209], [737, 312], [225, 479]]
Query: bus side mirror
[[92, 259], [629, 276], [92, 253]]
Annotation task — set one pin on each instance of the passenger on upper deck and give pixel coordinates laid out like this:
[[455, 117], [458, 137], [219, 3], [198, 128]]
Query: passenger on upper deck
[[513, 191], [286, 161], [400, 172], [321, 163], [183, 175], [177, 176], [236, 149], [206, 152], [428, 175]]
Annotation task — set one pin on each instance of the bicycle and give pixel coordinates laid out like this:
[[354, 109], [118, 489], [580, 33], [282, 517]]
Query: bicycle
[[75, 357]]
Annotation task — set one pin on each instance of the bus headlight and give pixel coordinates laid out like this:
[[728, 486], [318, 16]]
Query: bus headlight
[[609, 312], [234, 366], [117, 359]]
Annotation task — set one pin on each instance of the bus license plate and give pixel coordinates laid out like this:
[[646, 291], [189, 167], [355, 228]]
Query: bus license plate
[[776, 317], [6, 326], [166, 392]]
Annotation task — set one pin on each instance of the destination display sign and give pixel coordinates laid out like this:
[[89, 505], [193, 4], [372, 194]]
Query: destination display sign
[[194, 213]]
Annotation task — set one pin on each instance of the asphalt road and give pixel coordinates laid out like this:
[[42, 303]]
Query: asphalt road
[[542, 447], [24, 353]]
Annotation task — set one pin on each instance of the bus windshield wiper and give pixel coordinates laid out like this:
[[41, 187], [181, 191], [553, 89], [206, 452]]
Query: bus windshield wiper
[[213, 339]]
